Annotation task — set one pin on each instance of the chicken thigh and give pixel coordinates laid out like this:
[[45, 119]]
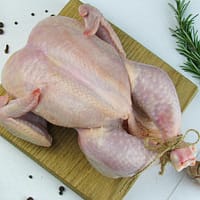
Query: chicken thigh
[[78, 76]]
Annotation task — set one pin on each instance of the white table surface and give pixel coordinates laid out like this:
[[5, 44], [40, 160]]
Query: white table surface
[[146, 21]]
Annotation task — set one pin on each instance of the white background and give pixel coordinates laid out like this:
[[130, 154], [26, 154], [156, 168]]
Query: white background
[[146, 21]]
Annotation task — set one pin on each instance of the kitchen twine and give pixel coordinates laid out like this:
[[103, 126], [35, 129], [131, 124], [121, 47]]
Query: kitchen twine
[[164, 148]]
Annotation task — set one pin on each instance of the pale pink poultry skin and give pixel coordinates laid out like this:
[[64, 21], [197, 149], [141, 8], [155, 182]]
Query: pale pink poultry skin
[[78, 76]]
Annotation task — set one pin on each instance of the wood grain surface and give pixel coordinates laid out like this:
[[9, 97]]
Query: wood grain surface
[[64, 158]]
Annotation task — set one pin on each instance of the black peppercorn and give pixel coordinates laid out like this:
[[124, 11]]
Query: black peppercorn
[[6, 49], [30, 176], [1, 24], [61, 190], [30, 198], [1, 31]]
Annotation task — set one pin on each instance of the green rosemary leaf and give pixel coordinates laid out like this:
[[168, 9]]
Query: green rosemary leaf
[[187, 39], [191, 67]]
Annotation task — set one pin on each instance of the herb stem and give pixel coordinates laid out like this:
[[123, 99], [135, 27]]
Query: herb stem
[[188, 43]]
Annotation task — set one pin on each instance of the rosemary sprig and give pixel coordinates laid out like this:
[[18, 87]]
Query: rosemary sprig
[[188, 43]]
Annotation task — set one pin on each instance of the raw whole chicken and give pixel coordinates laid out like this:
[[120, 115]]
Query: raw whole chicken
[[76, 75]]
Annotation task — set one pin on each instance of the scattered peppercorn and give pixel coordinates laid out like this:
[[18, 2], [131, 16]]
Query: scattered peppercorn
[[1, 24], [30, 176], [6, 49], [30, 198], [61, 190], [1, 31], [15, 22], [46, 11], [33, 14]]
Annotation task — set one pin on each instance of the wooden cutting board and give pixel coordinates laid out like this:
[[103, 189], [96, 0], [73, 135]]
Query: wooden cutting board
[[65, 160]]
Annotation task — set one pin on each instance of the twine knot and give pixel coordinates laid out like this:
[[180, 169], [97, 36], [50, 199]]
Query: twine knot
[[164, 148]]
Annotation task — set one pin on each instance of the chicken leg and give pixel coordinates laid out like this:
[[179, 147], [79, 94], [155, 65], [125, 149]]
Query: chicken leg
[[114, 152], [157, 110]]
